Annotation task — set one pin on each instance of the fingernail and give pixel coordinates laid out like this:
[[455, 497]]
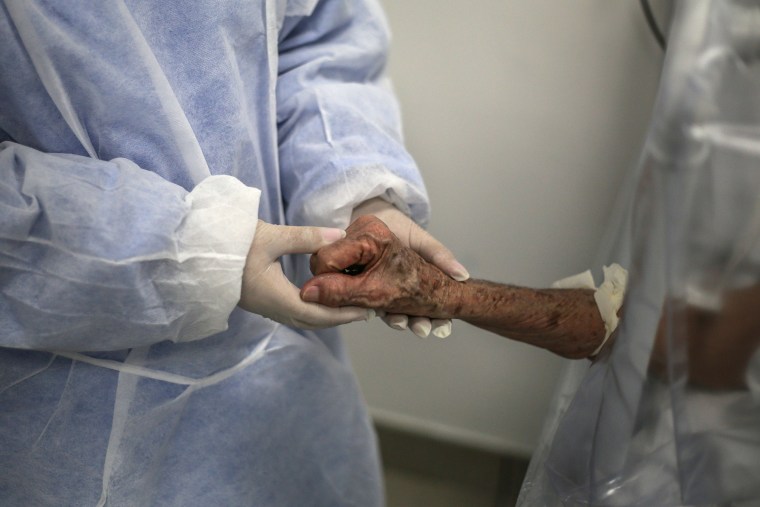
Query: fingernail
[[370, 314], [331, 234], [398, 323], [421, 329], [443, 330], [459, 273], [311, 294]]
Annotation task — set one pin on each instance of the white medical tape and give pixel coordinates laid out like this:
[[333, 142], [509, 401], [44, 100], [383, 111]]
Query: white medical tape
[[172, 378], [608, 296]]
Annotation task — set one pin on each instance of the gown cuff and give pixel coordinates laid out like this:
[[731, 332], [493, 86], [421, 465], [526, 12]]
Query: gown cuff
[[213, 243], [332, 206]]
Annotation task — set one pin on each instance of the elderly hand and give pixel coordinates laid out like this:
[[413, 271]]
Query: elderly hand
[[430, 249], [268, 292], [372, 268]]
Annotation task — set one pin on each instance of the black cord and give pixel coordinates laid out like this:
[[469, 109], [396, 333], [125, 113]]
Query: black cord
[[652, 22]]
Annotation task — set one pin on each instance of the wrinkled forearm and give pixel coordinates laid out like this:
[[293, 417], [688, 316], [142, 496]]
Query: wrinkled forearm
[[564, 321], [389, 276]]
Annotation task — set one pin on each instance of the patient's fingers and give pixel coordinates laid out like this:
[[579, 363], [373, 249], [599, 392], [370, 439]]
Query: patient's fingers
[[358, 254], [337, 256], [335, 289]]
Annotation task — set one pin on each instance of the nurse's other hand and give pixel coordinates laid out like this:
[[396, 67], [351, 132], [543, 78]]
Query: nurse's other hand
[[372, 268], [413, 236], [433, 251], [267, 291]]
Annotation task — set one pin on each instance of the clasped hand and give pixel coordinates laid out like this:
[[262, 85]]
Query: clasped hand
[[372, 268], [267, 291]]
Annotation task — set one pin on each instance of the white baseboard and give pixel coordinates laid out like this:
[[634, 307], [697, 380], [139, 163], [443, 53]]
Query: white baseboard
[[452, 434]]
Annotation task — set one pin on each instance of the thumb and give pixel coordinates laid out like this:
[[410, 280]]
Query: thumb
[[287, 239], [435, 253]]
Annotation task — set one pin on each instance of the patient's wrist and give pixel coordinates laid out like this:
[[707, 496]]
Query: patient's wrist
[[452, 298]]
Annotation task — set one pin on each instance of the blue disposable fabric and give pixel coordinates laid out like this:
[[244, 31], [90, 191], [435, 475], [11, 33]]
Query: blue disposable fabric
[[141, 141], [670, 415]]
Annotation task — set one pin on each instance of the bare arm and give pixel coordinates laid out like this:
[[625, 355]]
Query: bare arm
[[388, 276], [564, 321]]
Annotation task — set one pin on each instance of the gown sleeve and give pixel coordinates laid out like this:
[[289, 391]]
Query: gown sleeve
[[103, 255], [339, 127]]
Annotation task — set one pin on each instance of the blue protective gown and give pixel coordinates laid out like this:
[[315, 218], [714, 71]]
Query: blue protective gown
[[135, 135]]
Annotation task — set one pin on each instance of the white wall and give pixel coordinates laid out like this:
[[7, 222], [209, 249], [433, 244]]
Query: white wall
[[523, 116]]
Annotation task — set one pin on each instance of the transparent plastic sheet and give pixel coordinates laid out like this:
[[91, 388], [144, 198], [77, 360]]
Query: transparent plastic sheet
[[670, 415]]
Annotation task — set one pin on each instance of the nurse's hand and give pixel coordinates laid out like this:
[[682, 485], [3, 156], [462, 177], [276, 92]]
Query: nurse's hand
[[267, 291], [430, 249], [372, 268]]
